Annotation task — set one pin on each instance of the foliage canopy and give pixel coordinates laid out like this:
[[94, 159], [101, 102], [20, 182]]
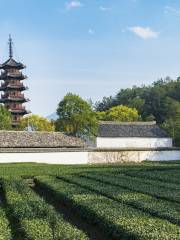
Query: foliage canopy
[[5, 119], [36, 123], [76, 117], [119, 113]]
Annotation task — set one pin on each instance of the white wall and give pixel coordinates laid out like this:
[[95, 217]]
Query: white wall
[[103, 142], [160, 155], [92, 157], [48, 157]]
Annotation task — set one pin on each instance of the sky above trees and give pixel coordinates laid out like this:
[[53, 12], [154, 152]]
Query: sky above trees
[[89, 47]]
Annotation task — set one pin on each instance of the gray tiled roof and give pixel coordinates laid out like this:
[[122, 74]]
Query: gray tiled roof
[[13, 139], [131, 129]]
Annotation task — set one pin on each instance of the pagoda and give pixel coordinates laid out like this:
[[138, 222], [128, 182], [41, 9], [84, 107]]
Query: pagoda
[[12, 86]]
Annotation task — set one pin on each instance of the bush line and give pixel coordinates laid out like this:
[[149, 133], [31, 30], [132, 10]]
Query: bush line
[[156, 207], [138, 186], [38, 219], [5, 230], [165, 177], [117, 220]]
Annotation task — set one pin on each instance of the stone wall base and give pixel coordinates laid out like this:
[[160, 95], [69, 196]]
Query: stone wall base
[[133, 156]]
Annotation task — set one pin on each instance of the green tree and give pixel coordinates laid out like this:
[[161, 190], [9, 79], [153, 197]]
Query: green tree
[[5, 119], [36, 123], [155, 103], [172, 123], [137, 103], [76, 117], [105, 104], [172, 126], [119, 113]]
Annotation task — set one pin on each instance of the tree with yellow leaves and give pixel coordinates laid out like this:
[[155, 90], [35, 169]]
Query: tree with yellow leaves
[[36, 123], [120, 114]]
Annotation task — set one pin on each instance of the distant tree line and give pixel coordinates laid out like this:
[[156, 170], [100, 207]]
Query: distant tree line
[[159, 101]]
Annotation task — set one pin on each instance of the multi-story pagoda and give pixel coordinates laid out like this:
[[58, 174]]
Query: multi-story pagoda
[[13, 98]]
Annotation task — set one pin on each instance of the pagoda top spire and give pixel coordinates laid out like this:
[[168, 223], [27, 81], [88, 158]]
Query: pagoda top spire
[[10, 46], [11, 63]]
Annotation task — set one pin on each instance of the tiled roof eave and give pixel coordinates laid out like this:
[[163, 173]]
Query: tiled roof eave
[[37, 139], [131, 137], [141, 130]]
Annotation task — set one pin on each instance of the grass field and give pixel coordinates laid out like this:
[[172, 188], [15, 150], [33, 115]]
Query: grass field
[[105, 202]]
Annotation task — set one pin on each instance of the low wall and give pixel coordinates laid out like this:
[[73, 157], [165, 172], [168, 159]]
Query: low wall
[[86, 156]]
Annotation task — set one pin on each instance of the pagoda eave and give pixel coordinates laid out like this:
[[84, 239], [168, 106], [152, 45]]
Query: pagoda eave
[[11, 64], [20, 88], [9, 100], [9, 78], [19, 111]]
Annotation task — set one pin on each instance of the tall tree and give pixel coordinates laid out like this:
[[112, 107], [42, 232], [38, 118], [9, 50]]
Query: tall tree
[[155, 103], [5, 119], [172, 123], [76, 117], [105, 104]]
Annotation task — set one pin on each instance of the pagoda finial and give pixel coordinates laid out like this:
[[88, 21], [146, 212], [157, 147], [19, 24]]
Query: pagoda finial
[[10, 46]]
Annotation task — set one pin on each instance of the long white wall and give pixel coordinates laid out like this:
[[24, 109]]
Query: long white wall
[[91, 157], [103, 142]]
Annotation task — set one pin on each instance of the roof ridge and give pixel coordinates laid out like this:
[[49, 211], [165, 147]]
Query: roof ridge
[[126, 123]]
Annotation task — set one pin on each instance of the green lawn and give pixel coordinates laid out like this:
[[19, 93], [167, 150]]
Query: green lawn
[[55, 202]]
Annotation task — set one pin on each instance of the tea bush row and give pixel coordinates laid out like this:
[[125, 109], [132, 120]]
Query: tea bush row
[[156, 207], [5, 229], [116, 220], [165, 176], [148, 180], [136, 185], [38, 219]]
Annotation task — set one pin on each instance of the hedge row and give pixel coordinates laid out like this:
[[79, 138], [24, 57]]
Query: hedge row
[[116, 220], [5, 230], [137, 185], [156, 207], [132, 177], [166, 177], [148, 180], [39, 220], [32, 169]]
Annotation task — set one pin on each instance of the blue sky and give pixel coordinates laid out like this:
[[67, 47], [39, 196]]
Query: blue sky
[[90, 47]]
